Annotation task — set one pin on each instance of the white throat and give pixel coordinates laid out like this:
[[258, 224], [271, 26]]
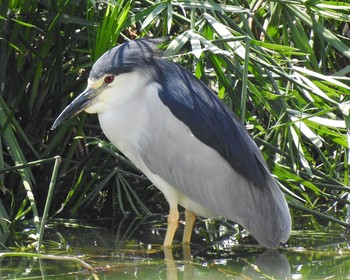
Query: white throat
[[124, 110]]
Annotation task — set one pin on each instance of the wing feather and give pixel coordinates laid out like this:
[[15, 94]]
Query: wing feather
[[210, 120]]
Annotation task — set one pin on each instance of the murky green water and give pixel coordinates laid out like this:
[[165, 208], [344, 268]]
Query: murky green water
[[129, 249]]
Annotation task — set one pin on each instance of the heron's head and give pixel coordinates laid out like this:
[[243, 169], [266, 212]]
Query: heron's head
[[115, 74]]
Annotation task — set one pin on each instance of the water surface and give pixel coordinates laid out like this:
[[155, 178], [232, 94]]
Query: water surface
[[129, 248]]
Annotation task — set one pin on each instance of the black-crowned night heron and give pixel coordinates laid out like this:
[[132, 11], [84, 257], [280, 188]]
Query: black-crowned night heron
[[185, 140]]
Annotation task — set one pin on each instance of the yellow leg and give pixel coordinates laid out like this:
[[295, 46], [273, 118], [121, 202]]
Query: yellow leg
[[173, 223], [190, 218]]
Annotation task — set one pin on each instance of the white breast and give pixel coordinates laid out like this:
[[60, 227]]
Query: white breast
[[125, 123]]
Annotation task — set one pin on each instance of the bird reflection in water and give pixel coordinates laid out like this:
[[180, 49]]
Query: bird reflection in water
[[270, 264]]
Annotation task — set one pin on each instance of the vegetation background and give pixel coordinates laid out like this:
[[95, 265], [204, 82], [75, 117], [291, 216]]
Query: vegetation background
[[282, 66]]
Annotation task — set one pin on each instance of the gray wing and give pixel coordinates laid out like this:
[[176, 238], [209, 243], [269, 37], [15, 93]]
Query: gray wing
[[170, 150], [210, 120]]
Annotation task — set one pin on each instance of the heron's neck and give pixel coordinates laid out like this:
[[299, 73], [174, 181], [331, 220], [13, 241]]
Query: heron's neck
[[125, 125]]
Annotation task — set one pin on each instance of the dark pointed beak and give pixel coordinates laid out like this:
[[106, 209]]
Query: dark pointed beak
[[78, 104]]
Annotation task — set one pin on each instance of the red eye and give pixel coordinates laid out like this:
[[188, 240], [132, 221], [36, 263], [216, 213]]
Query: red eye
[[109, 79]]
